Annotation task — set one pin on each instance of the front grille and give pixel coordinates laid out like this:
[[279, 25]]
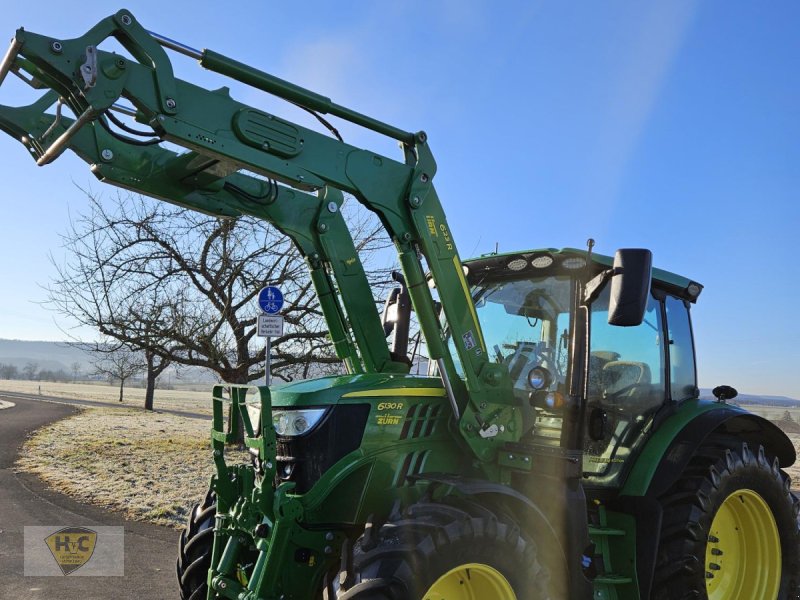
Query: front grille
[[421, 420], [304, 458], [410, 468]]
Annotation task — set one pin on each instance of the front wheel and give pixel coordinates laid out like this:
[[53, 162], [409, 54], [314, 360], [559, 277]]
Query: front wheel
[[194, 552], [437, 551], [730, 528]]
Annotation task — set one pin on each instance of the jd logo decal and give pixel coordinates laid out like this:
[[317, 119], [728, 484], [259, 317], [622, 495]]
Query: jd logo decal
[[72, 547]]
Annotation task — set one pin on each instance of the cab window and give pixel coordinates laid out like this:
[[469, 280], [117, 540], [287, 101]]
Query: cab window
[[681, 350], [626, 383]]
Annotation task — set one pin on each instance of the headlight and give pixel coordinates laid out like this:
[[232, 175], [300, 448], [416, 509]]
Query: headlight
[[296, 422], [539, 378]]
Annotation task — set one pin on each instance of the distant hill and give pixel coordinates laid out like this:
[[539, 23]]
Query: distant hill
[[59, 356], [52, 356], [766, 400]]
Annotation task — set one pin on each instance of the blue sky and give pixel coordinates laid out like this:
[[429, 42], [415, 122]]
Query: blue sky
[[671, 125]]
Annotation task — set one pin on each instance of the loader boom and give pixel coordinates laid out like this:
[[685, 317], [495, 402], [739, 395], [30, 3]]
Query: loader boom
[[225, 137]]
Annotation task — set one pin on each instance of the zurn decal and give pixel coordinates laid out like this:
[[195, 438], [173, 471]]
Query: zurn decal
[[387, 418]]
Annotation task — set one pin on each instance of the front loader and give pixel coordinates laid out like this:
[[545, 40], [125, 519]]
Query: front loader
[[557, 448]]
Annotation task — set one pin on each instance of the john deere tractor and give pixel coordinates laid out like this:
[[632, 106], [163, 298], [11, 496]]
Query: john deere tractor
[[557, 449]]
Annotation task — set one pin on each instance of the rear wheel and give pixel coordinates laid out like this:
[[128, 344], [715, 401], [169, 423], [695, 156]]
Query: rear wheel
[[730, 528], [437, 551], [194, 552]]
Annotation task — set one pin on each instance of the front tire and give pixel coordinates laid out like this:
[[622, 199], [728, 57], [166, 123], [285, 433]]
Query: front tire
[[194, 552], [730, 528], [438, 551]]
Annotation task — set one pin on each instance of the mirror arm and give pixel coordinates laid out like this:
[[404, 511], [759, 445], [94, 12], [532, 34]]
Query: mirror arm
[[595, 285]]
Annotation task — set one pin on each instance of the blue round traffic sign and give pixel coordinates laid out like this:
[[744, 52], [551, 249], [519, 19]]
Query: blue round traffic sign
[[270, 299]]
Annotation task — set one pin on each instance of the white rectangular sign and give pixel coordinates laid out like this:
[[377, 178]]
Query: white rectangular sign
[[270, 326]]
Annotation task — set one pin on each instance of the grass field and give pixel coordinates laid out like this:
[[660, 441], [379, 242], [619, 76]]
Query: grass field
[[184, 400], [773, 413], [153, 467]]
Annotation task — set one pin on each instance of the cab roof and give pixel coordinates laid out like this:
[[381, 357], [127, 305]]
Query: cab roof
[[557, 258]]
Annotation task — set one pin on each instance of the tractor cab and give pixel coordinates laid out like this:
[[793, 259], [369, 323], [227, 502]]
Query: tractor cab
[[527, 305]]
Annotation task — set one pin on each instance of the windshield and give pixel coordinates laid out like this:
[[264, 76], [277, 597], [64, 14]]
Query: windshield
[[526, 325]]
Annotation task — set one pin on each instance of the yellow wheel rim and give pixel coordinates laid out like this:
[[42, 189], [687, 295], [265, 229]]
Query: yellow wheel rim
[[472, 581], [743, 555]]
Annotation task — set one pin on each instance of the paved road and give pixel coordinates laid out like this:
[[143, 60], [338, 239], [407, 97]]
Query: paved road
[[149, 549], [14, 396]]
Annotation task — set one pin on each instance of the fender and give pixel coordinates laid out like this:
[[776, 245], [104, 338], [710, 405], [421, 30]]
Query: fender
[[673, 444], [666, 455]]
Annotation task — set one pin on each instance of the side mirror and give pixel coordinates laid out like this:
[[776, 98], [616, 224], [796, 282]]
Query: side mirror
[[397, 318], [630, 287]]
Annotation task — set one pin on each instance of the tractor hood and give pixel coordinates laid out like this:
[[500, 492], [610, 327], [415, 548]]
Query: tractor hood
[[353, 389]]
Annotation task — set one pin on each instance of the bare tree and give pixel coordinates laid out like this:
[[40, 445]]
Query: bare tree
[[117, 362], [181, 286], [8, 371], [76, 370], [30, 370]]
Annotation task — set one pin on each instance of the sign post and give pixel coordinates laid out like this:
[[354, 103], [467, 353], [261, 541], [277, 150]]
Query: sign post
[[270, 323]]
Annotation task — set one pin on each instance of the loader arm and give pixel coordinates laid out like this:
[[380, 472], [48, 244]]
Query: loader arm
[[224, 137], [313, 223]]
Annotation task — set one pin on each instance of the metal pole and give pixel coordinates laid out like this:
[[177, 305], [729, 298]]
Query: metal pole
[[219, 63], [57, 147], [176, 46], [8, 59], [448, 388], [267, 374]]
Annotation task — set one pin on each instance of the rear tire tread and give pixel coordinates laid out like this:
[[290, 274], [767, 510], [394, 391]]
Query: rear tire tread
[[720, 466]]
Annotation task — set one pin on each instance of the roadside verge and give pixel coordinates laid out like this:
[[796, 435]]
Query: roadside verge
[[151, 467]]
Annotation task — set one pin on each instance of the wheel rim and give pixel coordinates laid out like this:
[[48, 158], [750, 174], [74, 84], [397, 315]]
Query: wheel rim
[[472, 581], [743, 554]]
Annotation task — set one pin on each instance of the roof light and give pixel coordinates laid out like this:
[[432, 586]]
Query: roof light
[[694, 289], [574, 262], [517, 264], [542, 261]]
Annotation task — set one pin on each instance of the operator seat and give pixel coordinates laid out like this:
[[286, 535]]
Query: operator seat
[[598, 359], [627, 382]]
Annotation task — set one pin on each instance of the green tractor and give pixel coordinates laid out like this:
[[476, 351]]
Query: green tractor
[[557, 449]]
